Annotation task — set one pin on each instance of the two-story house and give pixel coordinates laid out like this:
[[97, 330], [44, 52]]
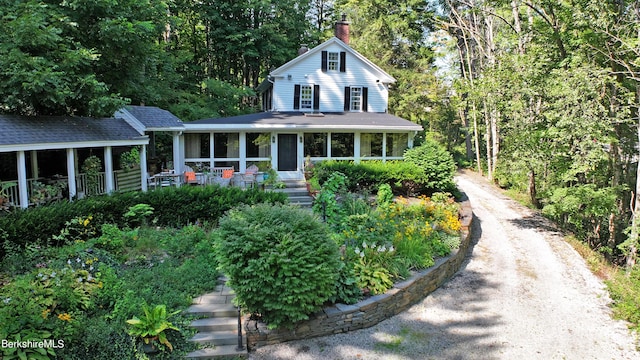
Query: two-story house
[[330, 102]]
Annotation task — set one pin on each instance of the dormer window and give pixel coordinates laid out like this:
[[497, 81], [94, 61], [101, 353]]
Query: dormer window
[[334, 61]]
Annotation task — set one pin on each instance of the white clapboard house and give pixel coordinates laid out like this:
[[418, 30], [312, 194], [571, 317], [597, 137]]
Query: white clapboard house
[[330, 102]]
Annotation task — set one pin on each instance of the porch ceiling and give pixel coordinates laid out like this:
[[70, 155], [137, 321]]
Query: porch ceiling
[[58, 132], [364, 121]]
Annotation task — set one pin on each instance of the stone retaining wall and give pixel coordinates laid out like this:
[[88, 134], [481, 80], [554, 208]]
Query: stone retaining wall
[[366, 313]]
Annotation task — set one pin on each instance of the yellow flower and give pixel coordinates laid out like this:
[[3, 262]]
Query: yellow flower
[[64, 317], [45, 313]]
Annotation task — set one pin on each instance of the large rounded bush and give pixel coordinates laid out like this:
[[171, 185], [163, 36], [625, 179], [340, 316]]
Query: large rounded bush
[[280, 261], [437, 163]]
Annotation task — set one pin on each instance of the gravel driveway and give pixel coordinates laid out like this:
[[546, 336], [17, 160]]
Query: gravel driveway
[[522, 293]]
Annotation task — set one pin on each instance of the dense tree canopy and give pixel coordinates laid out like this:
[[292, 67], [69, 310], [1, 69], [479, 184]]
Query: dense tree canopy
[[552, 90]]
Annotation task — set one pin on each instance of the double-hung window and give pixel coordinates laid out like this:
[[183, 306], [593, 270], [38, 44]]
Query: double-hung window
[[356, 98], [333, 61], [306, 97]]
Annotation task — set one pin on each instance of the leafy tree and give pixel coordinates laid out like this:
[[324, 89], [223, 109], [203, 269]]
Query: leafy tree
[[44, 70]]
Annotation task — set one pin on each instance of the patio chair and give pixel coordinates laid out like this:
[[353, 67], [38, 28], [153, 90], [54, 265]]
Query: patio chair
[[249, 176], [190, 176]]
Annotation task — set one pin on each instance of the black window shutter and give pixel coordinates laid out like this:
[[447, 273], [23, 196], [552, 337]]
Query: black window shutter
[[347, 98], [296, 97], [323, 65], [343, 61], [365, 98], [316, 97]]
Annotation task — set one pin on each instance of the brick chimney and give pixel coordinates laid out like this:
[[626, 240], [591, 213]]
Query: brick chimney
[[342, 29]]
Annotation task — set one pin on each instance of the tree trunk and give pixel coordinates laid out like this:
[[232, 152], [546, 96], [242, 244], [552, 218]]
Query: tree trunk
[[476, 139], [487, 136], [533, 193], [635, 219]]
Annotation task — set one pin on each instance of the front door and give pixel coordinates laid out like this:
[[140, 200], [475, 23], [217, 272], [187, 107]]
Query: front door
[[287, 152]]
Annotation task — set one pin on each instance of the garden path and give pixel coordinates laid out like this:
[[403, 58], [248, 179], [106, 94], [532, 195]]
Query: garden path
[[523, 293]]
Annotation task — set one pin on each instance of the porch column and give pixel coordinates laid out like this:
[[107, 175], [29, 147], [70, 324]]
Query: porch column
[[356, 148], [109, 181], [243, 151], [71, 173], [143, 168], [384, 147], [178, 162], [34, 164], [300, 142], [22, 179]]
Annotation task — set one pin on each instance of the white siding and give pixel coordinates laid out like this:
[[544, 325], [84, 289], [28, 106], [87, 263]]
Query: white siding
[[332, 83]]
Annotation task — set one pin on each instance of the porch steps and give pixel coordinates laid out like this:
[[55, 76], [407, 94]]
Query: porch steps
[[218, 331], [297, 192]]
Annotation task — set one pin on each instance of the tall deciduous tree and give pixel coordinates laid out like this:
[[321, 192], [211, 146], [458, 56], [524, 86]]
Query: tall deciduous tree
[[44, 70]]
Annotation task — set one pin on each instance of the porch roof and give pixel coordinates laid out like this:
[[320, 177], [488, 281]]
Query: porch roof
[[349, 121], [60, 132], [150, 118]]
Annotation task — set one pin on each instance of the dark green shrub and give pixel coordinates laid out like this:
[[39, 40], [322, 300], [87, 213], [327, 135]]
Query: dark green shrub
[[404, 178], [173, 207], [436, 162], [280, 260]]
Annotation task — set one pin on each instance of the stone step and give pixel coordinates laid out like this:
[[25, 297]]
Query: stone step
[[214, 309], [219, 352], [215, 324], [217, 338], [213, 298]]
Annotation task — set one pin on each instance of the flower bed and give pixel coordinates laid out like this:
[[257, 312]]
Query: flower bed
[[366, 313]]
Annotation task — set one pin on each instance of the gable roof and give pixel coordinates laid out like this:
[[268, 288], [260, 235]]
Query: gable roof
[[149, 118], [60, 132], [383, 75], [267, 121]]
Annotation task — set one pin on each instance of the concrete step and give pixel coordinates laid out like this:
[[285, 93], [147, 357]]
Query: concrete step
[[217, 338], [219, 352], [215, 324], [214, 309]]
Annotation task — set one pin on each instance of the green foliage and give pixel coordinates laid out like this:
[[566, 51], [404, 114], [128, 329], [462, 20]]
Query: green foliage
[[175, 207], [77, 229], [625, 293], [48, 70], [84, 294], [385, 196], [326, 203], [138, 214], [152, 325], [373, 277], [404, 178], [280, 260], [437, 164], [347, 289], [130, 159]]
